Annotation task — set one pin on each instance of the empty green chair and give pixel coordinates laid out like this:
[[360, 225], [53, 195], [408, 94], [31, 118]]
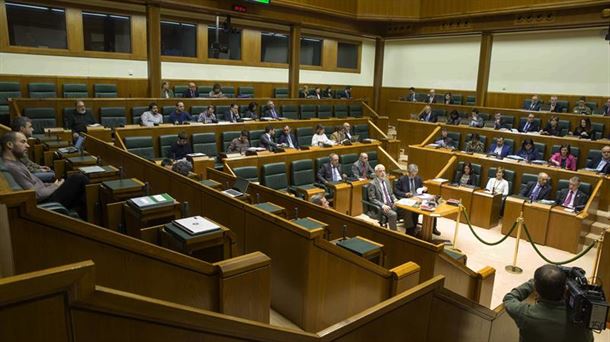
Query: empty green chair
[[308, 112], [304, 135], [180, 89], [229, 91], [470, 100], [165, 144], [105, 90], [204, 91], [205, 143], [255, 137], [373, 158], [347, 160], [41, 118], [302, 175], [290, 111], [455, 136], [325, 111], [196, 110], [592, 105], [457, 99], [541, 149], [280, 93], [362, 131], [341, 111], [355, 110], [593, 154], [274, 176], [245, 92], [7, 90], [598, 129], [113, 116], [141, 146], [75, 90], [166, 111], [227, 137], [565, 127], [136, 113], [42, 90], [247, 172], [222, 113]]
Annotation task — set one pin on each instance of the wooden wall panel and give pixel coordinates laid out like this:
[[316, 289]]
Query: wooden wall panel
[[446, 8], [384, 9]]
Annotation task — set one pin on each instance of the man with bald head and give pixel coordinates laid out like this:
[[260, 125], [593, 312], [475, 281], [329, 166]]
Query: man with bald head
[[601, 164], [361, 167], [538, 190], [191, 92], [78, 119]]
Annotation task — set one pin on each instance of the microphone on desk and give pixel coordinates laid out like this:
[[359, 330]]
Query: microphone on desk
[[296, 213], [147, 188], [227, 184], [344, 232], [258, 198], [121, 172], [99, 161]]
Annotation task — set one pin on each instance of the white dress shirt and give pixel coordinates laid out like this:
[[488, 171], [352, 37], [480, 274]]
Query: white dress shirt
[[319, 139], [497, 186]]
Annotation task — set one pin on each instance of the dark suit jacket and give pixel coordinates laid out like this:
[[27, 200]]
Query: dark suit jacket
[[402, 186], [535, 107], [325, 173], [412, 97], [594, 162], [362, 172], [78, 122], [177, 151], [430, 99], [532, 128], [187, 94], [267, 143], [506, 149], [267, 113], [544, 193], [376, 191], [433, 117], [579, 201], [606, 110], [283, 139]]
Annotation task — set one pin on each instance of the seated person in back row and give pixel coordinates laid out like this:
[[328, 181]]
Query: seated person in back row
[[465, 176], [250, 112], [208, 116], [191, 91], [239, 144], [552, 127], [270, 112], [338, 135], [179, 116], [361, 167], [475, 119], [529, 125], [601, 164], [320, 138], [266, 141], [528, 150], [538, 190], [181, 147], [445, 140], [69, 192], [23, 125], [572, 197], [216, 91], [151, 117], [287, 138], [474, 145], [454, 118], [581, 107], [78, 119], [233, 114], [499, 148], [427, 115], [534, 104], [564, 158]]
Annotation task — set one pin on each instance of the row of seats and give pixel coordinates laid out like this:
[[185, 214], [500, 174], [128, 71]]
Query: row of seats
[[49, 90], [564, 106], [206, 142], [302, 172], [204, 91], [283, 93], [440, 98], [44, 117]]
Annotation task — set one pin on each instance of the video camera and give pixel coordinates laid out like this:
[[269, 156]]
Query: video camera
[[586, 302]]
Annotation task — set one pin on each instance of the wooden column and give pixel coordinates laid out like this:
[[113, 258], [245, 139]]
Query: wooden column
[[484, 66], [153, 33], [378, 76], [294, 61]]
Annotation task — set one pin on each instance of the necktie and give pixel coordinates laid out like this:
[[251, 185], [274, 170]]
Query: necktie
[[568, 200], [363, 170], [387, 200], [336, 176], [273, 115], [527, 125], [535, 193], [290, 141], [412, 186], [601, 165]]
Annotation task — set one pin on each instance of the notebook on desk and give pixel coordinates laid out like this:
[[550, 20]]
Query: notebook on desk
[[196, 225], [148, 202], [73, 149], [239, 188], [91, 169]]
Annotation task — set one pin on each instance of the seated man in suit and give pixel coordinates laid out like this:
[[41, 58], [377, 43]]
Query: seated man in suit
[[534, 104], [411, 97], [606, 108], [267, 139], [601, 164], [287, 138], [78, 119], [270, 112], [554, 107], [529, 125], [538, 190], [347, 93], [409, 186], [499, 148], [191, 91], [239, 144], [331, 171], [427, 115], [233, 114], [431, 97], [380, 193], [361, 167], [581, 107], [179, 116], [572, 197], [181, 147], [347, 130]]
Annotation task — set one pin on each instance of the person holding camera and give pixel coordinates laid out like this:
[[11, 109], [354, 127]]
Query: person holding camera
[[548, 319]]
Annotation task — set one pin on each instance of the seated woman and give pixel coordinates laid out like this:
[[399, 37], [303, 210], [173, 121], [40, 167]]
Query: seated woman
[[448, 99], [474, 145], [583, 130], [564, 158], [498, 185], [466, 177], [208, 115], [454, 118], [552, 127], [216, 91], [528, 150], [320, 138], [250, 113]]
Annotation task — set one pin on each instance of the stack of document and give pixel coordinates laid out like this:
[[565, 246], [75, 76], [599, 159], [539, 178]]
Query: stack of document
[[196, 225], [147, 202], [407, 201], [91, 169]]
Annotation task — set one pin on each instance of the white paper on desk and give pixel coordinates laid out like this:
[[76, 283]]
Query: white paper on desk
[[441, 180], [224, 122], [94, 125], [419, 191], [569, 210], [198, 154], [159, 198], [425, 196], [196, 224], [407, 201], [91, 169], [141, 201], [256, 148]]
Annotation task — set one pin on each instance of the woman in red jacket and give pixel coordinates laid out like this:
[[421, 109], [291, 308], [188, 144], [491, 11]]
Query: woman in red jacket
[[564, 158]]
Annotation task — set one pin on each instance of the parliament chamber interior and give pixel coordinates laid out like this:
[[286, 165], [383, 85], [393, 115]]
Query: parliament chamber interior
[[283, 170]]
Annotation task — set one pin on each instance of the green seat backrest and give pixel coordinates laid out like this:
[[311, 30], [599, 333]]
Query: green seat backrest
[[470, 100], [302, 172], [228, 91], [511, 143], [255, 137], [179, 89], [509, 175], [308, 111], [321, 161], [205, 143], [565, 127], [355, 110], [280, 92], [591, 104], [328, 130], [457, 99], [112, 116], [528, 177], [362, 130], [196, 110], [105, 90], [204, 91], [167, 110], [274, 176], [574, 150], [341, 111], [455, 136], [227, 137], [304, 135], [247, 172], [41, 118], [346, 162], [10, 180], [482, 138], [593, 154], [75, 90], [222, 112], [141, 146], [136, 113], [372, 158], [42, 90], [584, 187], [9, 89], [290, 111], [245, 91], [598, 129], [165, 144], [325, 111]]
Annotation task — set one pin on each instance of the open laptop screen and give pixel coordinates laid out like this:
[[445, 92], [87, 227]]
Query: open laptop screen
[[241, 185]]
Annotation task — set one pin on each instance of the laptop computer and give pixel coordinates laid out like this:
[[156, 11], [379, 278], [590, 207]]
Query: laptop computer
[[73, 149], [239, 188]]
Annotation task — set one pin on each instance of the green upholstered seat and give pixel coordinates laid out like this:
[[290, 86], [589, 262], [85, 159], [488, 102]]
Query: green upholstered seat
[[228, 91], [482, 138], [347, 160], [205, 143], [455, 136], [373, 158], [141, 146], [255, 137], [308, 111], [222, 112], [75, 90], [470, 100], [565, 127], [179, 89], [204, 91], [247, 172], [593, 154], [509, 175], [457, 99], [136, 113], [42, 90], [113, 116], [598, 129], [355, 110], [105, 90], [325, 111], [41, 118], [9, 90], [274, 176], [290, 111], [280, 93], [361, 130], [196, 110], [341, 111], [541, 149], [245, 92], [165, 144], [321, 161], [302, 174], [304, 135], [511, 143], [227, 137]]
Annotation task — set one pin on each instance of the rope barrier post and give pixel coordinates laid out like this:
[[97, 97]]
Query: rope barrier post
[[600, 243], [514, 268], [457, 223]]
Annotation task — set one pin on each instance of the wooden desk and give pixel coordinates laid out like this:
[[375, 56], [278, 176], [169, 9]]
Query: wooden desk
[[356, 197], [272, 208], [117, 191], [443, 210], [308, 191], [368, 249], [565, 229], [136, 219], [461, 193], [211, 247], [485, 211], [513, 206], [342, 193], [535, 215], [110, 173], [212, 184]]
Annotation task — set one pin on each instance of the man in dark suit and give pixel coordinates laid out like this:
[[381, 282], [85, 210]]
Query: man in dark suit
[[534, 104], [409, 186], [538, 190], [427, 115], [572, 197], [266, 141], [191, 91], [601, 164], [498, 121], [529, 125], [431, 97], [380, 193], [361, 167], [287, 138], [331, 171], [347, 93], [606, 108], [411, 97], [499, 148], [270, 111]]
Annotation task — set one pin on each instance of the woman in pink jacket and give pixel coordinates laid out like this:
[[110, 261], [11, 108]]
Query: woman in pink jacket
[[564, 158]]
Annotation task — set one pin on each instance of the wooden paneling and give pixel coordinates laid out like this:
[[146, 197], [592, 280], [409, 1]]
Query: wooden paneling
[[153, 35], [484, 68], [388, 9], [294, 60]]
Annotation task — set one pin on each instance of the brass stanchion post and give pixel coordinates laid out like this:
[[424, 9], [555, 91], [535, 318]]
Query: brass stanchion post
[[457, 223], [514, 268], [600, 243]]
